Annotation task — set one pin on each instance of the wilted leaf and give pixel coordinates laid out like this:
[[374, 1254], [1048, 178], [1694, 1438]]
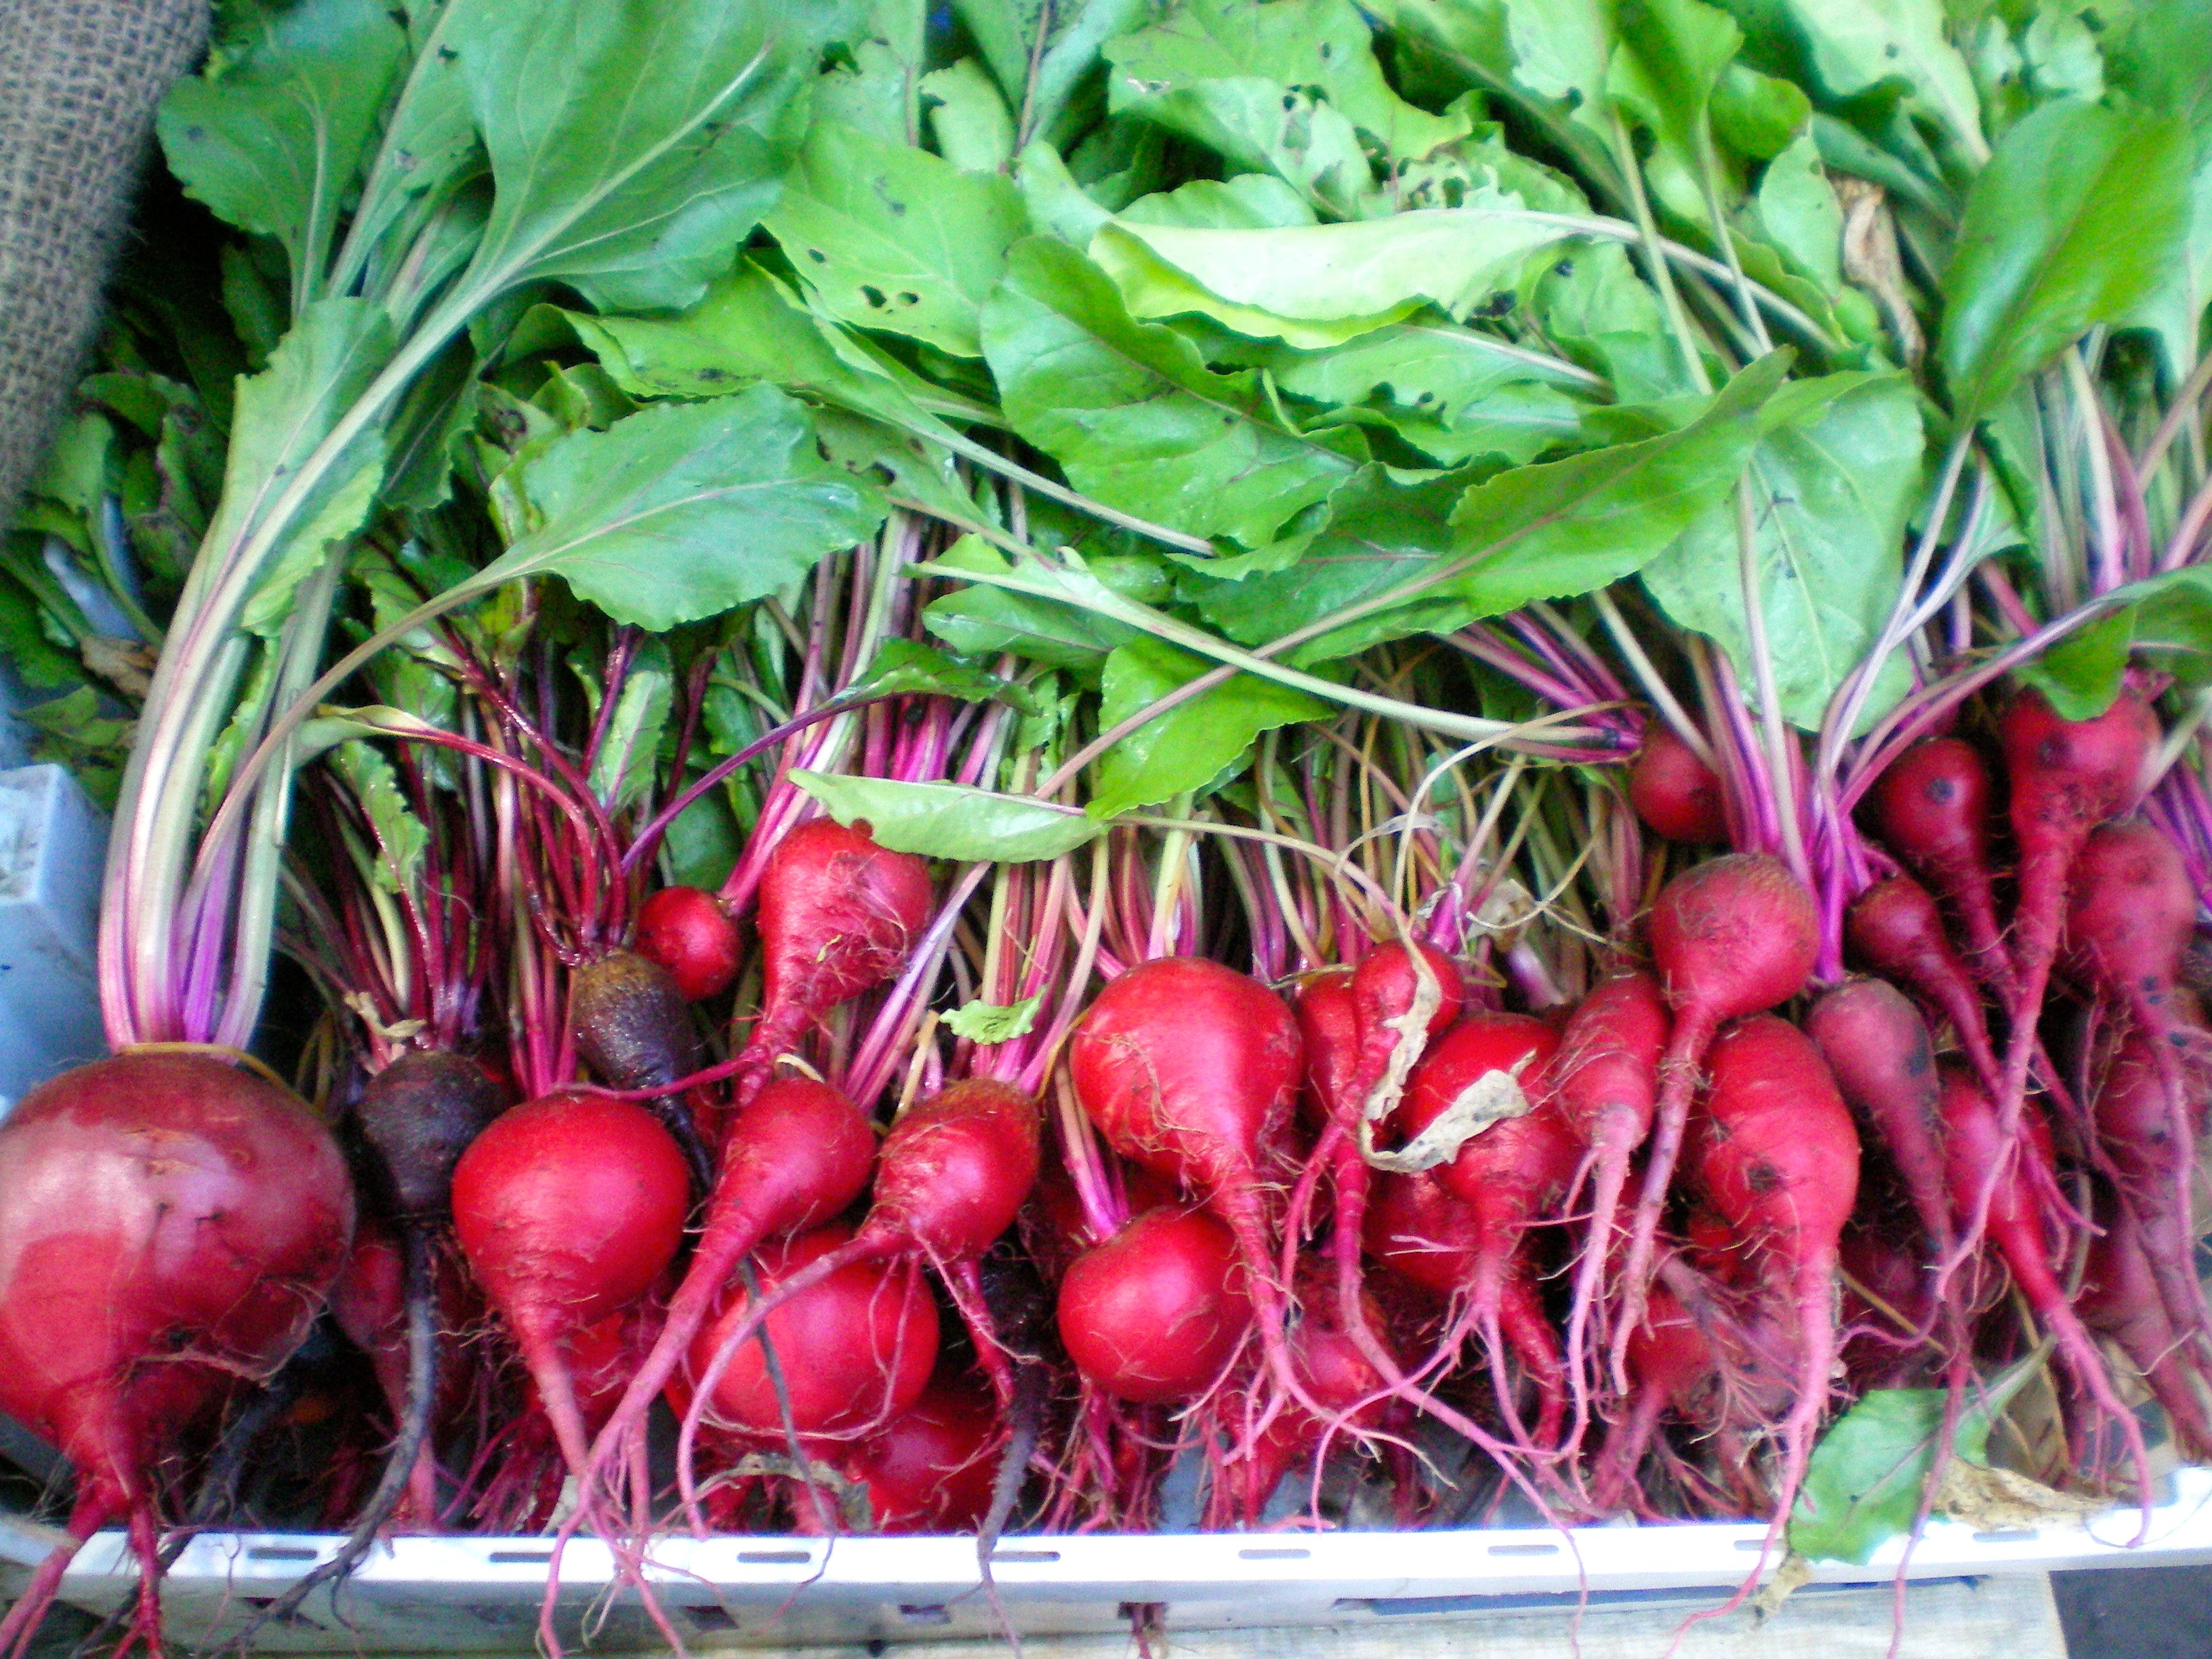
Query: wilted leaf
[[988, 1023], [894, 238]]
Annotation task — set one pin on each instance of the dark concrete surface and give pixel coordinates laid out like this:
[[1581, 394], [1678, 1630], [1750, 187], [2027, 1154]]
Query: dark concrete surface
[[2135, 1612]]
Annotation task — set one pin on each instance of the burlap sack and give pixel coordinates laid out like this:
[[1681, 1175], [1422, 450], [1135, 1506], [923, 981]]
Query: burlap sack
[[79, 79]]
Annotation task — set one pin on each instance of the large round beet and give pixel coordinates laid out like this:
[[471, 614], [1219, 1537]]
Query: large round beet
[[169, 1224], [1153, 1314], [854, 1350]]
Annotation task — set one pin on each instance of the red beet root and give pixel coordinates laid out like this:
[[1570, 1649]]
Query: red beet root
[[1510, 1174], [1608, 1088], [202, 1213], [688, 933], [1152, 1315], [2066, 777], [1190, 1069], [838, 915], [1778, 1159], [1736, 936], [1932, 807], [1894, 928], [1676, 795], [856, 1347], [930, 1469], [569, 1209]]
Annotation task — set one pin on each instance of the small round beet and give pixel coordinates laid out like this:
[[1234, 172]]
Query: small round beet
[[687, 932], [1677, 796]]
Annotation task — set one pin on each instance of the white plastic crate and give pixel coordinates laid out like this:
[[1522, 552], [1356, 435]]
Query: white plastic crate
[[450, 1595]]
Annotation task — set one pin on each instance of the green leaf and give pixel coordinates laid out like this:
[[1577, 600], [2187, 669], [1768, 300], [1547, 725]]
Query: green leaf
[[1452, 393], [2081, 675], [1862, 1486], [703, 844], [1348, 278], [2166, 618], [1670, 58], [630, 751], [1858, 45], [2072, 223], [981, 621], [684, 510], [428, 148], [974, 129], [1289, 86], [950, 820], [341, 510], [1601, 312], [1321, 46], [1132, 413], [1422, 369], [1250, 201], [2165, 62], [895, 461], [1074, 32], [272, 136], [988, 1023], [74, 469], [429, 429], [282, 416], [1757, 115], [1866, 1479], [746, 329], [1798, 213], [401, 839], [894, 238], [908, 667], [77, 730], [1057, 203], [633, 146], [878, 90], [42, 665], [1547, 531], [1562, 50], [1194, 743], [1833, 484]]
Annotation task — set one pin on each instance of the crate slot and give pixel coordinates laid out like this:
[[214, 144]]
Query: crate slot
[[1023, 1558], [774, 1558], [930, 1613], [282, 1553], [704, 1619], [1274, 1555], [1524, 1549], [520, 1557]]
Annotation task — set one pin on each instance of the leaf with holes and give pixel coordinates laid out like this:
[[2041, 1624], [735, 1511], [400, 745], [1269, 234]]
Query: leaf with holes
[[892, 237]]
